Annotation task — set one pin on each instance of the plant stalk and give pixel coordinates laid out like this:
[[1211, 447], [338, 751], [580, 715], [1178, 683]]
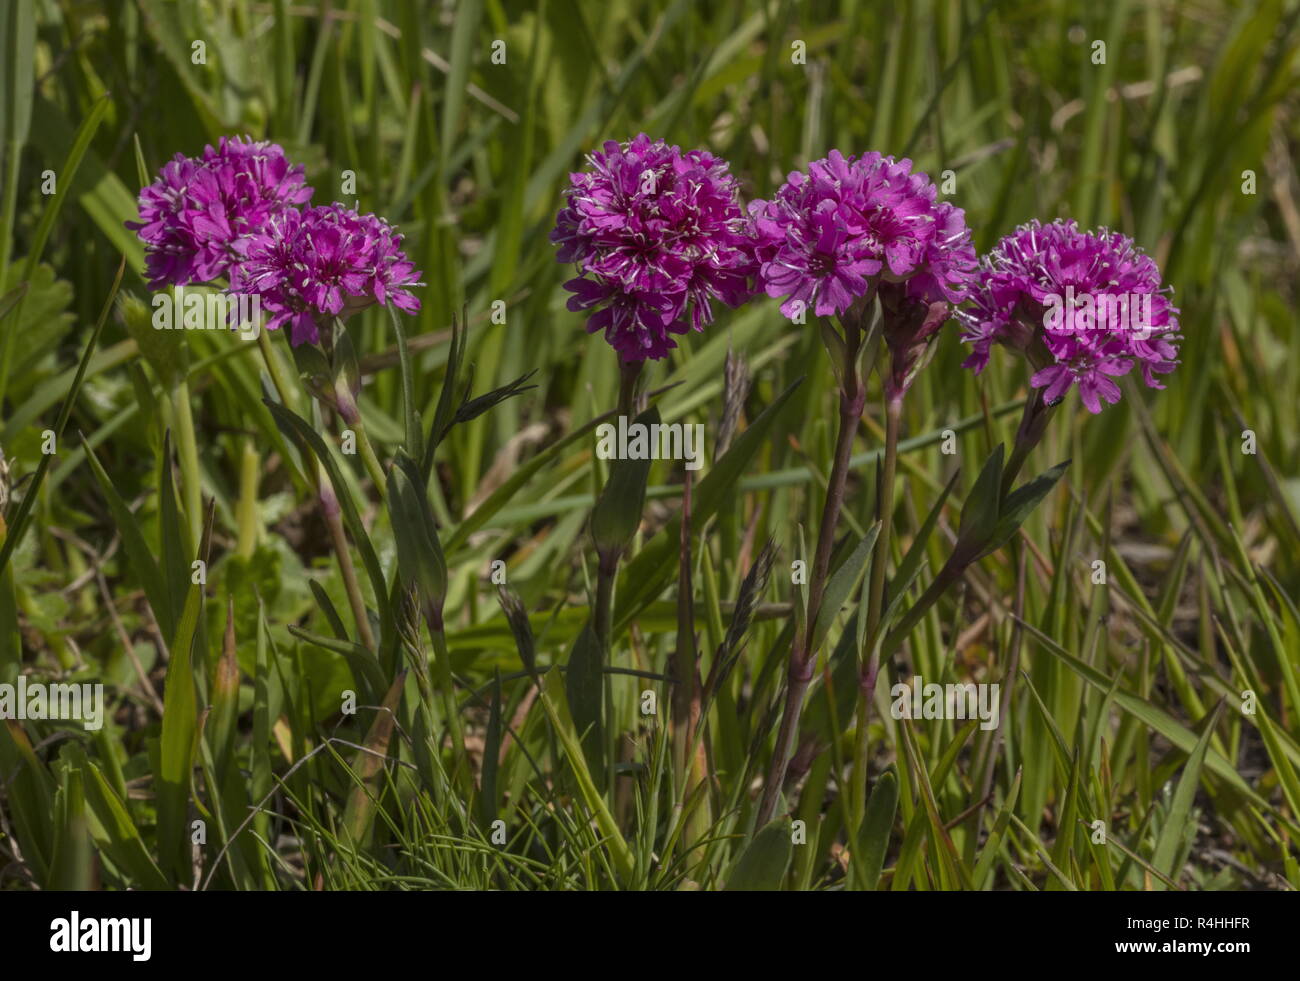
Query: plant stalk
[[330, 510], [246, 510], [187, 448], [369, 458], [875, 606], [802, 658], [446, 688], [1033, 423]]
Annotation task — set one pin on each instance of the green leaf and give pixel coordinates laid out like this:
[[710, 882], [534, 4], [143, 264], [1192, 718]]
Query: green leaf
[[72, 868], [475, 407], [584, 691], [556, 710], [173, 535], [1180, 809], [445, 411], [365, 668], [112, 828], [410, 416], [464, 42], [45, 323], [159, 348], [18, 76], [840, 585], [982, 877], [979, 513], [762, 866], [617, 514], [368, 765], [911, 564], [346, 377], [1148, 714], [29, 796], [295, 427], [1020, 503], [80, 142], [179, 731], [491, 755], [419, 552], [315, 372], [11, 298], [100, 193], [873, 836]]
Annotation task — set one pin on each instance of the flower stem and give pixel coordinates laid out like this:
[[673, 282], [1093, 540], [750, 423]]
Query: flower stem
[[8, 209], [802, 657], [288, 396], [330, 510], [246, 510], [629, 372], [328, 503], [447, 689], [603, 617], [1033, 423], [187, 447], [607, 574], [368, 457], [875, 605]]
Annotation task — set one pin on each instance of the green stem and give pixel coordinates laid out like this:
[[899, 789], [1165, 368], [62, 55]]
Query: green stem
[[603, 616], [7, 210], [368, 457], [246, 513], [1033, 423], [447, 691], [288, 396], [330, 510], [802, 655], [328, 502], [875, 604], [629, 371], [606, 575], [884, 513], [11, 157], [187, 447]]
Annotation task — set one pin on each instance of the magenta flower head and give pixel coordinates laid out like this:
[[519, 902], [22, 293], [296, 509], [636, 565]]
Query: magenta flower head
[[831, 235], [1084, 307], [657, 235], [852, 226], [198, 217], [325, 262]]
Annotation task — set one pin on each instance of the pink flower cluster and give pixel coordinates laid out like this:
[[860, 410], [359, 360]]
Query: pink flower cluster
[[830, 235], [1097, 298], [233, 212], [657, 235], [197, 218], [325, 261]]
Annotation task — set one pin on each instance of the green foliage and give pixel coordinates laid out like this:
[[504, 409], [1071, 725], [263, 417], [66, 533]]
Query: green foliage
[[338, 696]]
